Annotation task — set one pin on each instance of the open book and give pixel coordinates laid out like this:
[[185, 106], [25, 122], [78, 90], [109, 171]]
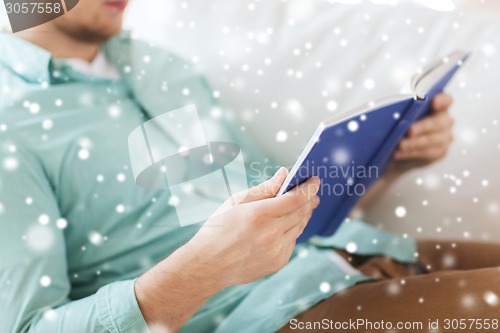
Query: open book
[[349, 151]]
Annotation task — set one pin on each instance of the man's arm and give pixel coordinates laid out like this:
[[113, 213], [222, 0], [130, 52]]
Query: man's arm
[[34, 279], [427, 141], [251, 236]]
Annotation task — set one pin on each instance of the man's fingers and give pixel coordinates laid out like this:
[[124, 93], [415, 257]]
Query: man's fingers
[[299, 216], [441, 102], [443, 138], [297, 197], [294, 233], [296, 230], [426, 154], [292, 200], [267, 189], [432, 123]]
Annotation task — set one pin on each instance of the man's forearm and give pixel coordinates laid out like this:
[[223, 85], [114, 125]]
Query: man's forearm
[[246, 239], [172, 291]]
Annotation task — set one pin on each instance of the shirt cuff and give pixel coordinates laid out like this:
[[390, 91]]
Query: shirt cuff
[[118, 310]]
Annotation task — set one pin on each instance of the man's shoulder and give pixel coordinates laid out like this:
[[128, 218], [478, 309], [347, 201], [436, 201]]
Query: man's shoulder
[[10, 88]]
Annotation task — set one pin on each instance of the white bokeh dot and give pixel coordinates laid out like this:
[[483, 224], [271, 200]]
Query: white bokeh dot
[[207, 159], [351, 247], [114, 111], [45, 281], [400, 211], [353, 126], [394, 288], [174, 200], [295, 109], [50, 314], [120, 177], [281, 136], [491, 298], [95, 238], [324, 287], [10, 163], [83, 154], [61, 223], [369, 84], [39, 238], [302, 252], [468, 301], [85, 142], [43, 219], [341, 156], [331, 105], [216, 113], [47, 124], [34, 108]]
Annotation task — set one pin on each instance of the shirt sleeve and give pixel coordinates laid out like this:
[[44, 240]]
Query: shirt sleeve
[[359, 237], [33, 268]]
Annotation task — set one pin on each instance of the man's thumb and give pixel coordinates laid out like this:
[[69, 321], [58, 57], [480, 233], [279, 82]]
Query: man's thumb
[[265, 190]]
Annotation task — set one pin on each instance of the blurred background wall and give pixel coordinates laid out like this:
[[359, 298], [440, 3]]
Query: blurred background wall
[[283, 66]]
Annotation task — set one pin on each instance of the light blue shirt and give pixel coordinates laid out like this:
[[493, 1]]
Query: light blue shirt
[[75, 230]]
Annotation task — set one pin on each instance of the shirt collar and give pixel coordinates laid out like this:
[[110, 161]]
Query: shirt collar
[[35, 64], [24, 59]]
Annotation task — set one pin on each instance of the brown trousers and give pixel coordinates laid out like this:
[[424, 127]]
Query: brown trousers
[[455, 287]]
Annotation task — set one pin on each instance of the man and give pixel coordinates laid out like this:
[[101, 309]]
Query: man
[[84, 250]]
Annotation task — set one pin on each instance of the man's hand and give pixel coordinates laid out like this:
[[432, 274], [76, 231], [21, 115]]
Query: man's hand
[[250, 236], [254, 233], [429, 139]]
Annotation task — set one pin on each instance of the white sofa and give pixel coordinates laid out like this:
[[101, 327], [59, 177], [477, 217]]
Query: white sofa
[[283, 66]]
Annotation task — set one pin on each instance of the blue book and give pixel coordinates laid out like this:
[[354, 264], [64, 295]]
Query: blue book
[[349, 151]]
